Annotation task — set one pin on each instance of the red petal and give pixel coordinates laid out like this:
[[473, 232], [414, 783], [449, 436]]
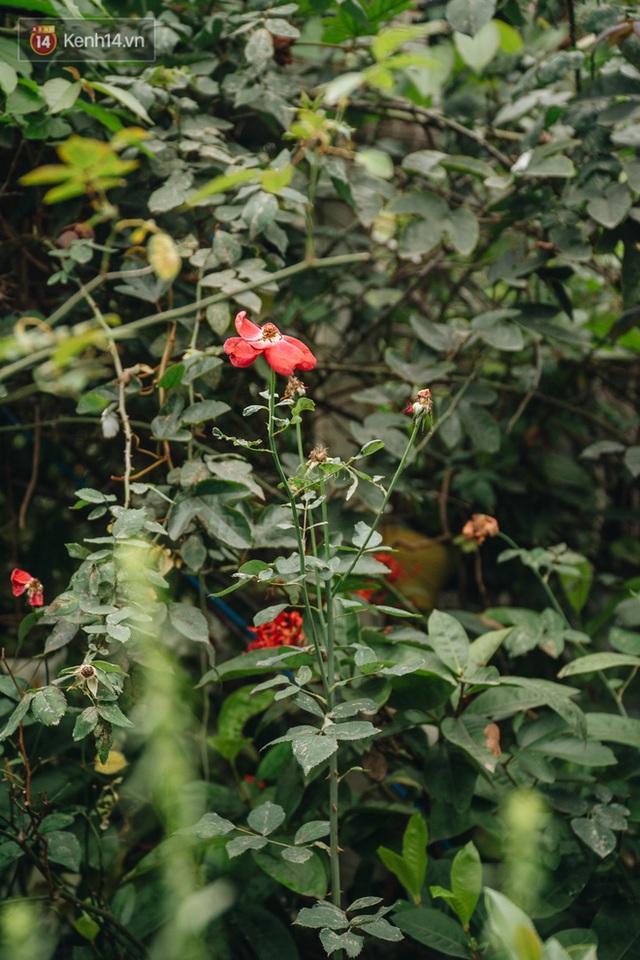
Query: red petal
[[241, 353], [36, 596], [308, 361], [20, 580], [283, 357], [247, 329]]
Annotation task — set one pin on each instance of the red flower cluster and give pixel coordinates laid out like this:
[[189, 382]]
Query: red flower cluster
[[21, 581], [285, 630], [250, 779], [282, 353], [396, 570]]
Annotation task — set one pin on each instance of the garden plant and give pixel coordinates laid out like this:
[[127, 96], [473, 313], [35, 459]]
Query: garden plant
[[319, 451]]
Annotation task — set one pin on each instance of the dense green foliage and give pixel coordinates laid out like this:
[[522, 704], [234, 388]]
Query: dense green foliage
[[437, 196]]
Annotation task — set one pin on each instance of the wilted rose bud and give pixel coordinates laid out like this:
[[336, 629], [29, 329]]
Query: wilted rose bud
[[480, 527], [75, 231], [294, 390]]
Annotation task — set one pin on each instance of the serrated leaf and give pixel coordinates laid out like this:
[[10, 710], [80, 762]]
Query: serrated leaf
[[85, 723], [112, 713], [351, 943], [296, 854], [312, 749], [18, 714], [321, 915], [240, 845], [210, 825], [313, 830], [49, 705], [266, 818], [383, 930]]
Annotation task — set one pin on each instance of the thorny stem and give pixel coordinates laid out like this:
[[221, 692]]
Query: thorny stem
[[296, 526], [334, 778]]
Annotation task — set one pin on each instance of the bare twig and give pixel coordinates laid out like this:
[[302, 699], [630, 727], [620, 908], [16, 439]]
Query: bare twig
[[33, 479]]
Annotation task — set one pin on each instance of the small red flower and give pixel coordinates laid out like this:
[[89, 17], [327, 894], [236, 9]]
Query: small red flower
[[282, 353], [21, 581], [285, 630]]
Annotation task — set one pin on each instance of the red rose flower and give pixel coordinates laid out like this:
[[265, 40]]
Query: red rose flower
[[283, 354], [21, 581]]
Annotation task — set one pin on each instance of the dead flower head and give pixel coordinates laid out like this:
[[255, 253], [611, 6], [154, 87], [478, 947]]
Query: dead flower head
[[295, 389], [319, 454], [479, 528]]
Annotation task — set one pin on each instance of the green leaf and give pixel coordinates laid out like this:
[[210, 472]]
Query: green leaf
[[479, 50], [296, 854], [463, 228], [9, 853], [351, 943], [240, 845], [189, 621], [449, 640], [266, 818], [612, 207], [204, 410], [466, 881], [223, 523], [593, 662], [259, 211], [350, 707], [469, 16], [410, 868], [208, 826], [607, 726], [124, 97], [238, 707], [321, 915], [8, 78], [269, 613], [18, 714], [312, 749], [308, 879], [85, 723], [312, 830], [49, 705], [435, 930], [383, 930], [597, 837], [356, 730], [467, 732], [222, 183], [112, 713], [172, 377], [60, 94], [64, 848], [511, 928], [129, 523]]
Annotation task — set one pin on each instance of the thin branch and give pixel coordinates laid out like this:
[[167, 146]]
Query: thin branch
[[33, 479], [120, 333]]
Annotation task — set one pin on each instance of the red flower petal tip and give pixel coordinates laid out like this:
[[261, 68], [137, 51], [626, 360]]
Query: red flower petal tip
[[22, 581]]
